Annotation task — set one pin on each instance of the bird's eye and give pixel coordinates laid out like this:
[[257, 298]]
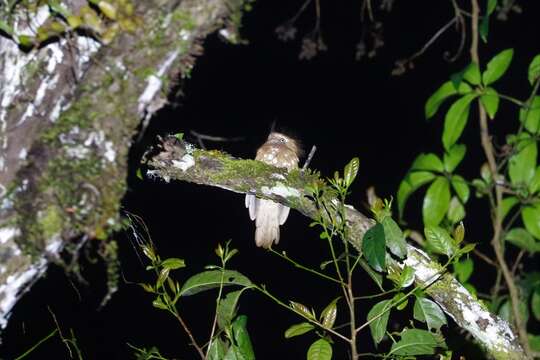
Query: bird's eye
[[282, 140]]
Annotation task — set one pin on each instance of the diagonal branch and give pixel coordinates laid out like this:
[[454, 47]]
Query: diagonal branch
[[177, 160]]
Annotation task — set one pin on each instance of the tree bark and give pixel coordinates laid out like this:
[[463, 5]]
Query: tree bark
[[69, 108], [177, 160]]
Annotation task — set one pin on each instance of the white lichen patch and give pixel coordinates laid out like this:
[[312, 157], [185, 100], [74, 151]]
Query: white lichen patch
[[110, 153], [154, 82], [280, 190], [23, 154], [10, 290], [15, 285], [184, 163], [77, 152], [8, 233], [276, 176]]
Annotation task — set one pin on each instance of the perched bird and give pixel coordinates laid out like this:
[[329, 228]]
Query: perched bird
[[281, 151]]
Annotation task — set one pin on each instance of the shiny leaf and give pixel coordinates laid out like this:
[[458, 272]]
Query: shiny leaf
[[380, 322], [395, 240], [456, 119], [373, 247], [442, 93], [429, 312], [534, 70], [497, 66], [410, 184], [490, 100], [212, 279], [436, 201], [320, 350], [439, 240], [454, 156], [298, 329]]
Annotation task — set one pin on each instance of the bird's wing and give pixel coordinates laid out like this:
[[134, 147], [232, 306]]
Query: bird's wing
[[251, 204], [283, 214]]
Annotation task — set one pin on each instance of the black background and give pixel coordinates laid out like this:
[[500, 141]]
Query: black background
[[346, 108]]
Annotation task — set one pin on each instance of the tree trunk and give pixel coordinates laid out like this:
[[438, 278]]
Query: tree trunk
[[70, 104]]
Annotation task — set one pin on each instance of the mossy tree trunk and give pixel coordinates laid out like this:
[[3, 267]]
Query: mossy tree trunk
[[70, 104]]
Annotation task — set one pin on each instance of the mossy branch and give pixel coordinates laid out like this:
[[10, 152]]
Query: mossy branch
[[178, 160]]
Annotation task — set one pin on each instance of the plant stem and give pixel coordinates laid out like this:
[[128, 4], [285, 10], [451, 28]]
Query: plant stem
[[496, 216], [300, 266], [186, 328]]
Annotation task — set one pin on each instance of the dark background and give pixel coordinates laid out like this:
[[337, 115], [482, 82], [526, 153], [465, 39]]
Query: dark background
[[345, 107]]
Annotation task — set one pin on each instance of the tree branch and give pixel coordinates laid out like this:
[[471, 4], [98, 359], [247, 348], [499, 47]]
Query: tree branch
[[177, 160]]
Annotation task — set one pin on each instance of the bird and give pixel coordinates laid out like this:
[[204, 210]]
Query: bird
[[281, 151]]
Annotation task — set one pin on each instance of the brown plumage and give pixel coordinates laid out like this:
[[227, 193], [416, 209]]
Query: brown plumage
[[281, 151]]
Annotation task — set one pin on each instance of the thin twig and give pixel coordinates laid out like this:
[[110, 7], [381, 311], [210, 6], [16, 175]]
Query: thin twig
[[215, 138], [517, 262], [186, 329], [310, 157], [300, 266]]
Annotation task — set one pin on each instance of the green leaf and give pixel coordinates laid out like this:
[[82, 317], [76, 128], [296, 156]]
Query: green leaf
[[163, 275], [534, 185], [507, 205], [320, 350], [212, 279], [464, 269], [434, 102], [351, 169], [302, 309], [158, 303], [461, 188], [410, 184], [439, 240], [534, 70], [484, 28], [472, 74], [456, 211], [241, 338], [456, 119], [406, 277], [5, 27], [417, 342], [522, 165], [490, 100], [436, 201], [429, 162], [217, 349], [328, 315], [492, 4], [442, 93], [453, 157], [534, 342], [173, 263], [298, 329], [373, 247], [535, 303], [530, 116], [459, 233], [497, 66], [522, 239], [429, 312], [378, 326], [227, 308], [505, 311], [395, 240], [531, 219]]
